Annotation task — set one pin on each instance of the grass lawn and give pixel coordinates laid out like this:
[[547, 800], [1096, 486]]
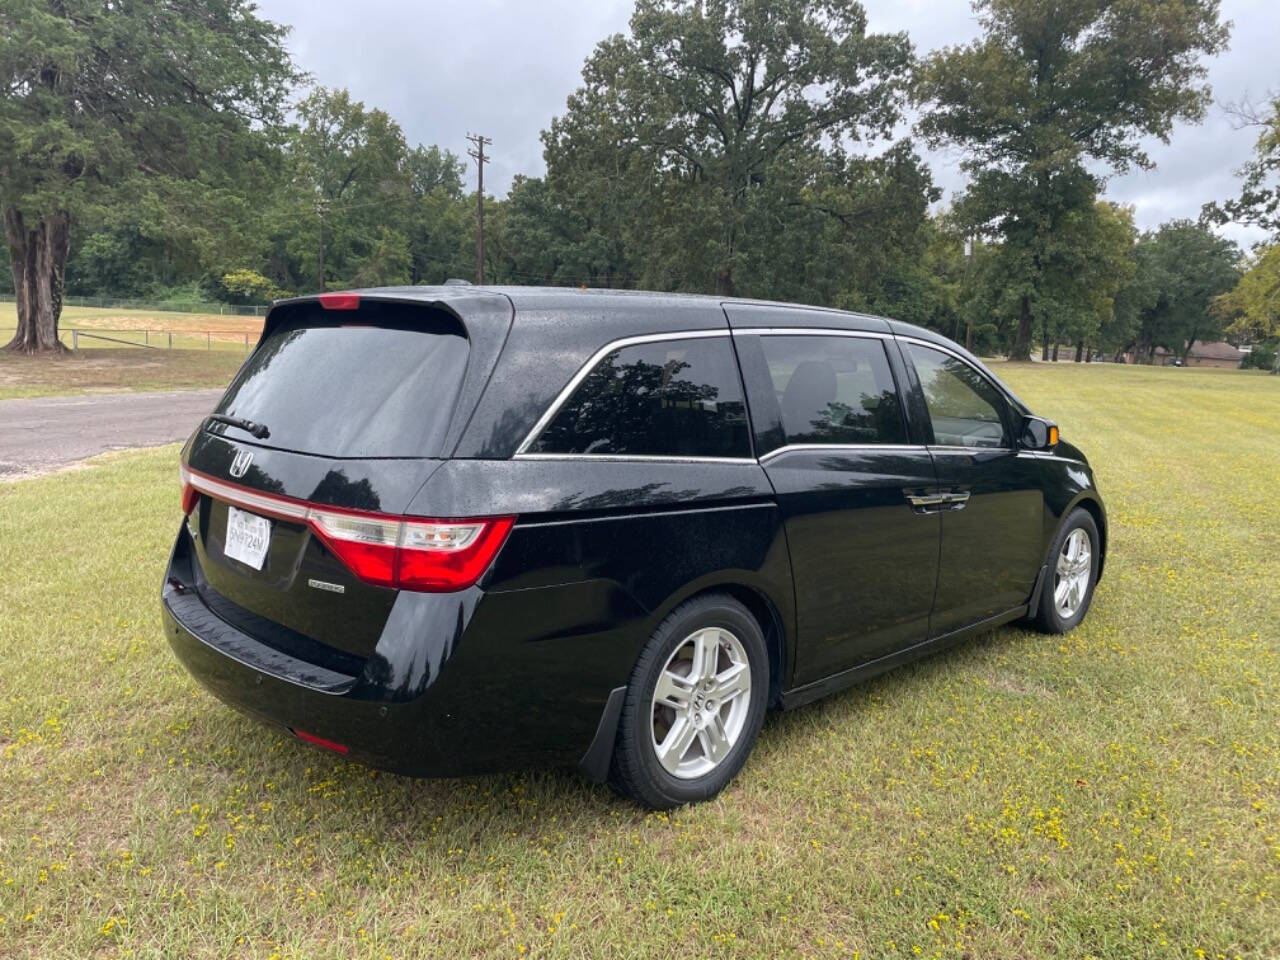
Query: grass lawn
[[87, 371], [1111, 793]]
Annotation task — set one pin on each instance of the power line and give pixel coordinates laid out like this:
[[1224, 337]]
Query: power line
[[477, 154]]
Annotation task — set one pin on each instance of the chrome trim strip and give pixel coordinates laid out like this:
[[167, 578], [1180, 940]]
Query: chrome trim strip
[[960, 448], [809, 332], [244, 498], [574, 381], [844, 448], [627, 457]]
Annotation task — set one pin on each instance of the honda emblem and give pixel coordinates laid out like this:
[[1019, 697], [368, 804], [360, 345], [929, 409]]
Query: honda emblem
[[240, 465]]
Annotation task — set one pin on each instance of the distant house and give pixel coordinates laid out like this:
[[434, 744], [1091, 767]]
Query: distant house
[[1220, 354]]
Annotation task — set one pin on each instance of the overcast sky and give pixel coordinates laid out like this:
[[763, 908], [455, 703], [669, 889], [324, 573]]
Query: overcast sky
[[505, 67]]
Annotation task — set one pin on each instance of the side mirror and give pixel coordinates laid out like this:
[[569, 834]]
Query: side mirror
[[1038, 434]]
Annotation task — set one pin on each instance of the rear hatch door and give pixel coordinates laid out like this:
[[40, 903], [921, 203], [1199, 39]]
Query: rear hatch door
[[348, 409]]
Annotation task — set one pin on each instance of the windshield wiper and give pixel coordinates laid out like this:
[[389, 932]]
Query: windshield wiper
[[259, 430]]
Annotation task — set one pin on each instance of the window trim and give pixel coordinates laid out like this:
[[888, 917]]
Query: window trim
[[811, 332], [843, 448], [1011, 403], [523, 452]]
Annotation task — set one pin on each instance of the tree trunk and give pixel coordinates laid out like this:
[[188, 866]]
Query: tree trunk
[[1055, 351], [1079, 350], [38, 257], [1021, 349], [724, 283]]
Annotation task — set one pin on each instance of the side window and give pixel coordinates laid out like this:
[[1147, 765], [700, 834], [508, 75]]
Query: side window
[[667, 398], [836, 390], [963, 405]]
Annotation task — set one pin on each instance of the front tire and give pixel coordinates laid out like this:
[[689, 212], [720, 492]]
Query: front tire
[[694, 705], [1072, 574]]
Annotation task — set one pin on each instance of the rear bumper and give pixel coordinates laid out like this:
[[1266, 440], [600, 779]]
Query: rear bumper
[[448, 691]]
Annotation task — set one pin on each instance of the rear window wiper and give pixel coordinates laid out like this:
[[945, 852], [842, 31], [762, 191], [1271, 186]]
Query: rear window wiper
[[259, 430]]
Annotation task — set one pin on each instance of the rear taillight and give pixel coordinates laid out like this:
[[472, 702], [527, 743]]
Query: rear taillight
[[190, 495], [408, 553]]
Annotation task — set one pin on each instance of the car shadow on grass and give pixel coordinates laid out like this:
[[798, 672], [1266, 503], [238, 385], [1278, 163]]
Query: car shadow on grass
[[359, 797]]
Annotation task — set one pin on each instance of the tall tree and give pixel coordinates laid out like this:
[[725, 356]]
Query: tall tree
[[439, 218], [702, 104], [1050, 88], [1189, 268], [354, 184], [106, 102], [1253, 306], [1259, 200]]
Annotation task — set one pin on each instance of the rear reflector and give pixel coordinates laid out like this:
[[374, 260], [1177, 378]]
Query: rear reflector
[[321, 741], [340, 301], [407, 553]]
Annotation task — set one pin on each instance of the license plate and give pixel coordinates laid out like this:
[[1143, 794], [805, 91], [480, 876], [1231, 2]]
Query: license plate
[[248, 536]]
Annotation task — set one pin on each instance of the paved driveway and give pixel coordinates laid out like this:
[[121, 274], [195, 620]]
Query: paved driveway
[[38, 434]]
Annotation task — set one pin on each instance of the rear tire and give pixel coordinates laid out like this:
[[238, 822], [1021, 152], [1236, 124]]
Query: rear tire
[[1071, 575], [683, 741]]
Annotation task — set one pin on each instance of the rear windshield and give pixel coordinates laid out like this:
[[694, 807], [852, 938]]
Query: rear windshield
[[381, 381]]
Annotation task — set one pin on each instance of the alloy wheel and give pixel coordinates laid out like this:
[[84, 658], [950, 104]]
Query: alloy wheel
[[700, 702], [1071, 577]]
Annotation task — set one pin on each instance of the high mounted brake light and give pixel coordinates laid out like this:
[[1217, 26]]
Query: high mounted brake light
[[340, 301], [408, 553]]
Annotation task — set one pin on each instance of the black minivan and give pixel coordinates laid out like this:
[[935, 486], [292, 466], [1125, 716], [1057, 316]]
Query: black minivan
[[449, 530]]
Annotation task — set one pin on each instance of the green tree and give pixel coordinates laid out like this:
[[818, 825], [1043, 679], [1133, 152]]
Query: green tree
[[1253, 306], [107, 104], [1095, 263], [679, 126], [1052, 87], [352, 180], [440, 216], [1259, 200], [1188, 268]]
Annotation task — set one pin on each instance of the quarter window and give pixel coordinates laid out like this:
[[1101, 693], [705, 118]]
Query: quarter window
[[666, 398], [834, 390], [963, 405]]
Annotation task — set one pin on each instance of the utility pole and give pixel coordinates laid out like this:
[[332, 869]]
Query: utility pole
[[969, 243], [477, 154], [322, 208]]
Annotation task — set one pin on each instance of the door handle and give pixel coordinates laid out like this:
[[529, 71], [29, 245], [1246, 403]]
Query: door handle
[[936, 502], [929, 500], [924, 502]]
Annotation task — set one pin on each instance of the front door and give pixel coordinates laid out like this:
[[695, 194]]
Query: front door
[[832, 437], [992, 529]]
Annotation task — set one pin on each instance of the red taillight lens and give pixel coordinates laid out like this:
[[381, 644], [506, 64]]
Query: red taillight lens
[[410, 553], [190, 495], [365, 544], [321, 741], [449, 555]]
